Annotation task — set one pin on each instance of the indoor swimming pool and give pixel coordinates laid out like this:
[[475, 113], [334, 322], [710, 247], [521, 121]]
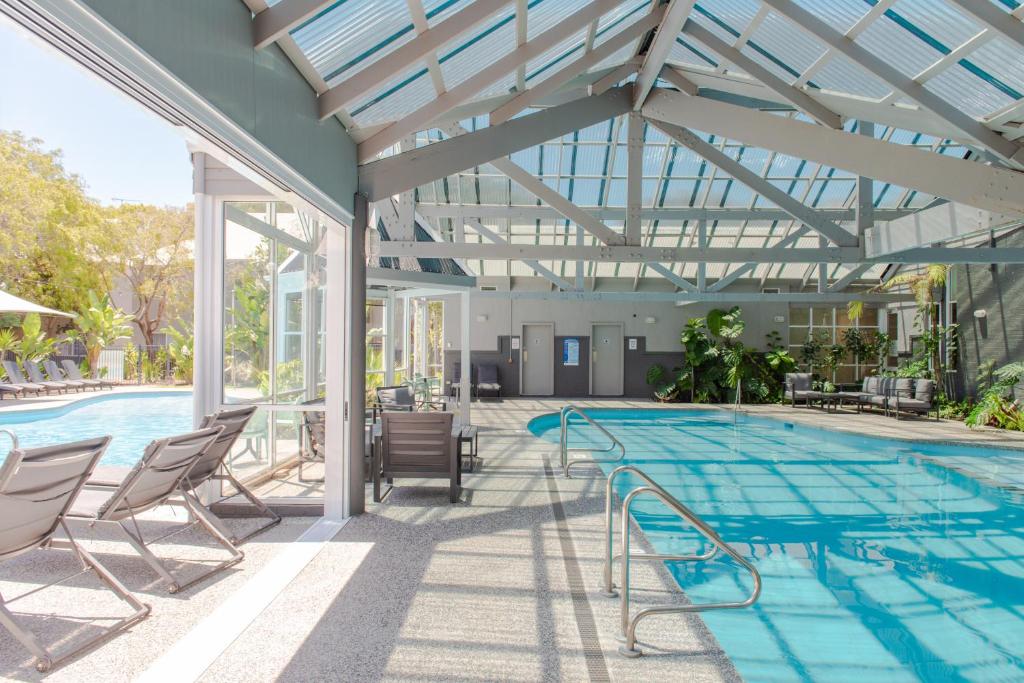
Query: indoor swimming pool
[[879, 562]]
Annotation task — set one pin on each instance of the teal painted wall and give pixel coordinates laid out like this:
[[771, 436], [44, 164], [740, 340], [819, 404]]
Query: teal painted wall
[[208, 45]]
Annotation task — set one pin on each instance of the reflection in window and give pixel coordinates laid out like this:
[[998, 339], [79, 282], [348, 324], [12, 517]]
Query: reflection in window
[[274, 329]]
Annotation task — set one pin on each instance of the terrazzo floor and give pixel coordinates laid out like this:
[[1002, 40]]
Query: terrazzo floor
[[503, 585]]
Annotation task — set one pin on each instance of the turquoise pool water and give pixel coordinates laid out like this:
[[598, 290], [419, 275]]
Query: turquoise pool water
[[878, 564], [133, 420]]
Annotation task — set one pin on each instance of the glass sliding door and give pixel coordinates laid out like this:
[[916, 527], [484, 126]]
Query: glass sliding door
[[274, 344]]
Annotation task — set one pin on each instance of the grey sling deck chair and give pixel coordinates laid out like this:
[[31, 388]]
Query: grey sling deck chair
[[54, 373], [37, 487], [15, 378], [150, 483], [210, 467], [36, 375], [72, 371]]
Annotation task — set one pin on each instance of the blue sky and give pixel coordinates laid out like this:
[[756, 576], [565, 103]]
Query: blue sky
[[119, 148]]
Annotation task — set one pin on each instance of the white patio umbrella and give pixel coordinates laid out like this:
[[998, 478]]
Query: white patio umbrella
[[12, 304]]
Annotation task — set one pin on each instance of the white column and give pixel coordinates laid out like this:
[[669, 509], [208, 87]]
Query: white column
[[389, 339], [421, 338], [464, 397], [407, 322], [335, 504], [209, 306]]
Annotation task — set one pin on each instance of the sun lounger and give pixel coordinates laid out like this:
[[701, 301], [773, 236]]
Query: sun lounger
[[15, 377], [36, 375], [157, 477], [10, 390], [54, 373], [72, 371], [211, 467], [37, 488]]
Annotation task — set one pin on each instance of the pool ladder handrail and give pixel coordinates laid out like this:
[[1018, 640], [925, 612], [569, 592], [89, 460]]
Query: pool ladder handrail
[[12, 436], [629, 623], [563, 442]]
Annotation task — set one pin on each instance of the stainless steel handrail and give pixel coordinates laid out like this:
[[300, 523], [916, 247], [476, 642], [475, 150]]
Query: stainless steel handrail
[[609, 540], [564, 414], [13, 437], [629, 623]]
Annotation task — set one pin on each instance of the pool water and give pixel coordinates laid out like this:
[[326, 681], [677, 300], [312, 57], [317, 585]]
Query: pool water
[[878, 564], [133, 420]]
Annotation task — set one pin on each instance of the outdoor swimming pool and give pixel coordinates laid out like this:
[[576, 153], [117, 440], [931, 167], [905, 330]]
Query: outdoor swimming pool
[[133, 420], [878, 565]]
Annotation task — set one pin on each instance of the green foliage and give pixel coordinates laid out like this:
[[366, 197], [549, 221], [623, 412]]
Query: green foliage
[[46, 226], [34, 344], [954, 410], [99, 325], [832, 359], [8, 341], [182, 352], [716, 363], [131, 363], [997, 407], [289, 377], [810, 350], [880, 345], [247, 331]]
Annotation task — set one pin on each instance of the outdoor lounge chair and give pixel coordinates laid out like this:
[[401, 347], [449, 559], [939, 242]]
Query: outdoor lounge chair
[[487, 381], [35, 375], [54, 373], [72, 371], [417, 445], [798, 388], [210, 467], [920, 400], [37, 488], [157, 477], [10, 389], [15, 377], [402, 398]]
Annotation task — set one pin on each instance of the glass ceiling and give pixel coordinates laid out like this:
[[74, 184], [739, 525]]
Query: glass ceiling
[[970, 66]]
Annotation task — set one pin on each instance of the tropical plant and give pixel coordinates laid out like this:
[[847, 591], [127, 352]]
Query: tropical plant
[[34, 344], [131, 362], [857, 344], [247, 328], [997, 407], [99, 325], [182, 352], [8, 341], [923, 285], [831, 361], [881, 345], [810, 350]]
